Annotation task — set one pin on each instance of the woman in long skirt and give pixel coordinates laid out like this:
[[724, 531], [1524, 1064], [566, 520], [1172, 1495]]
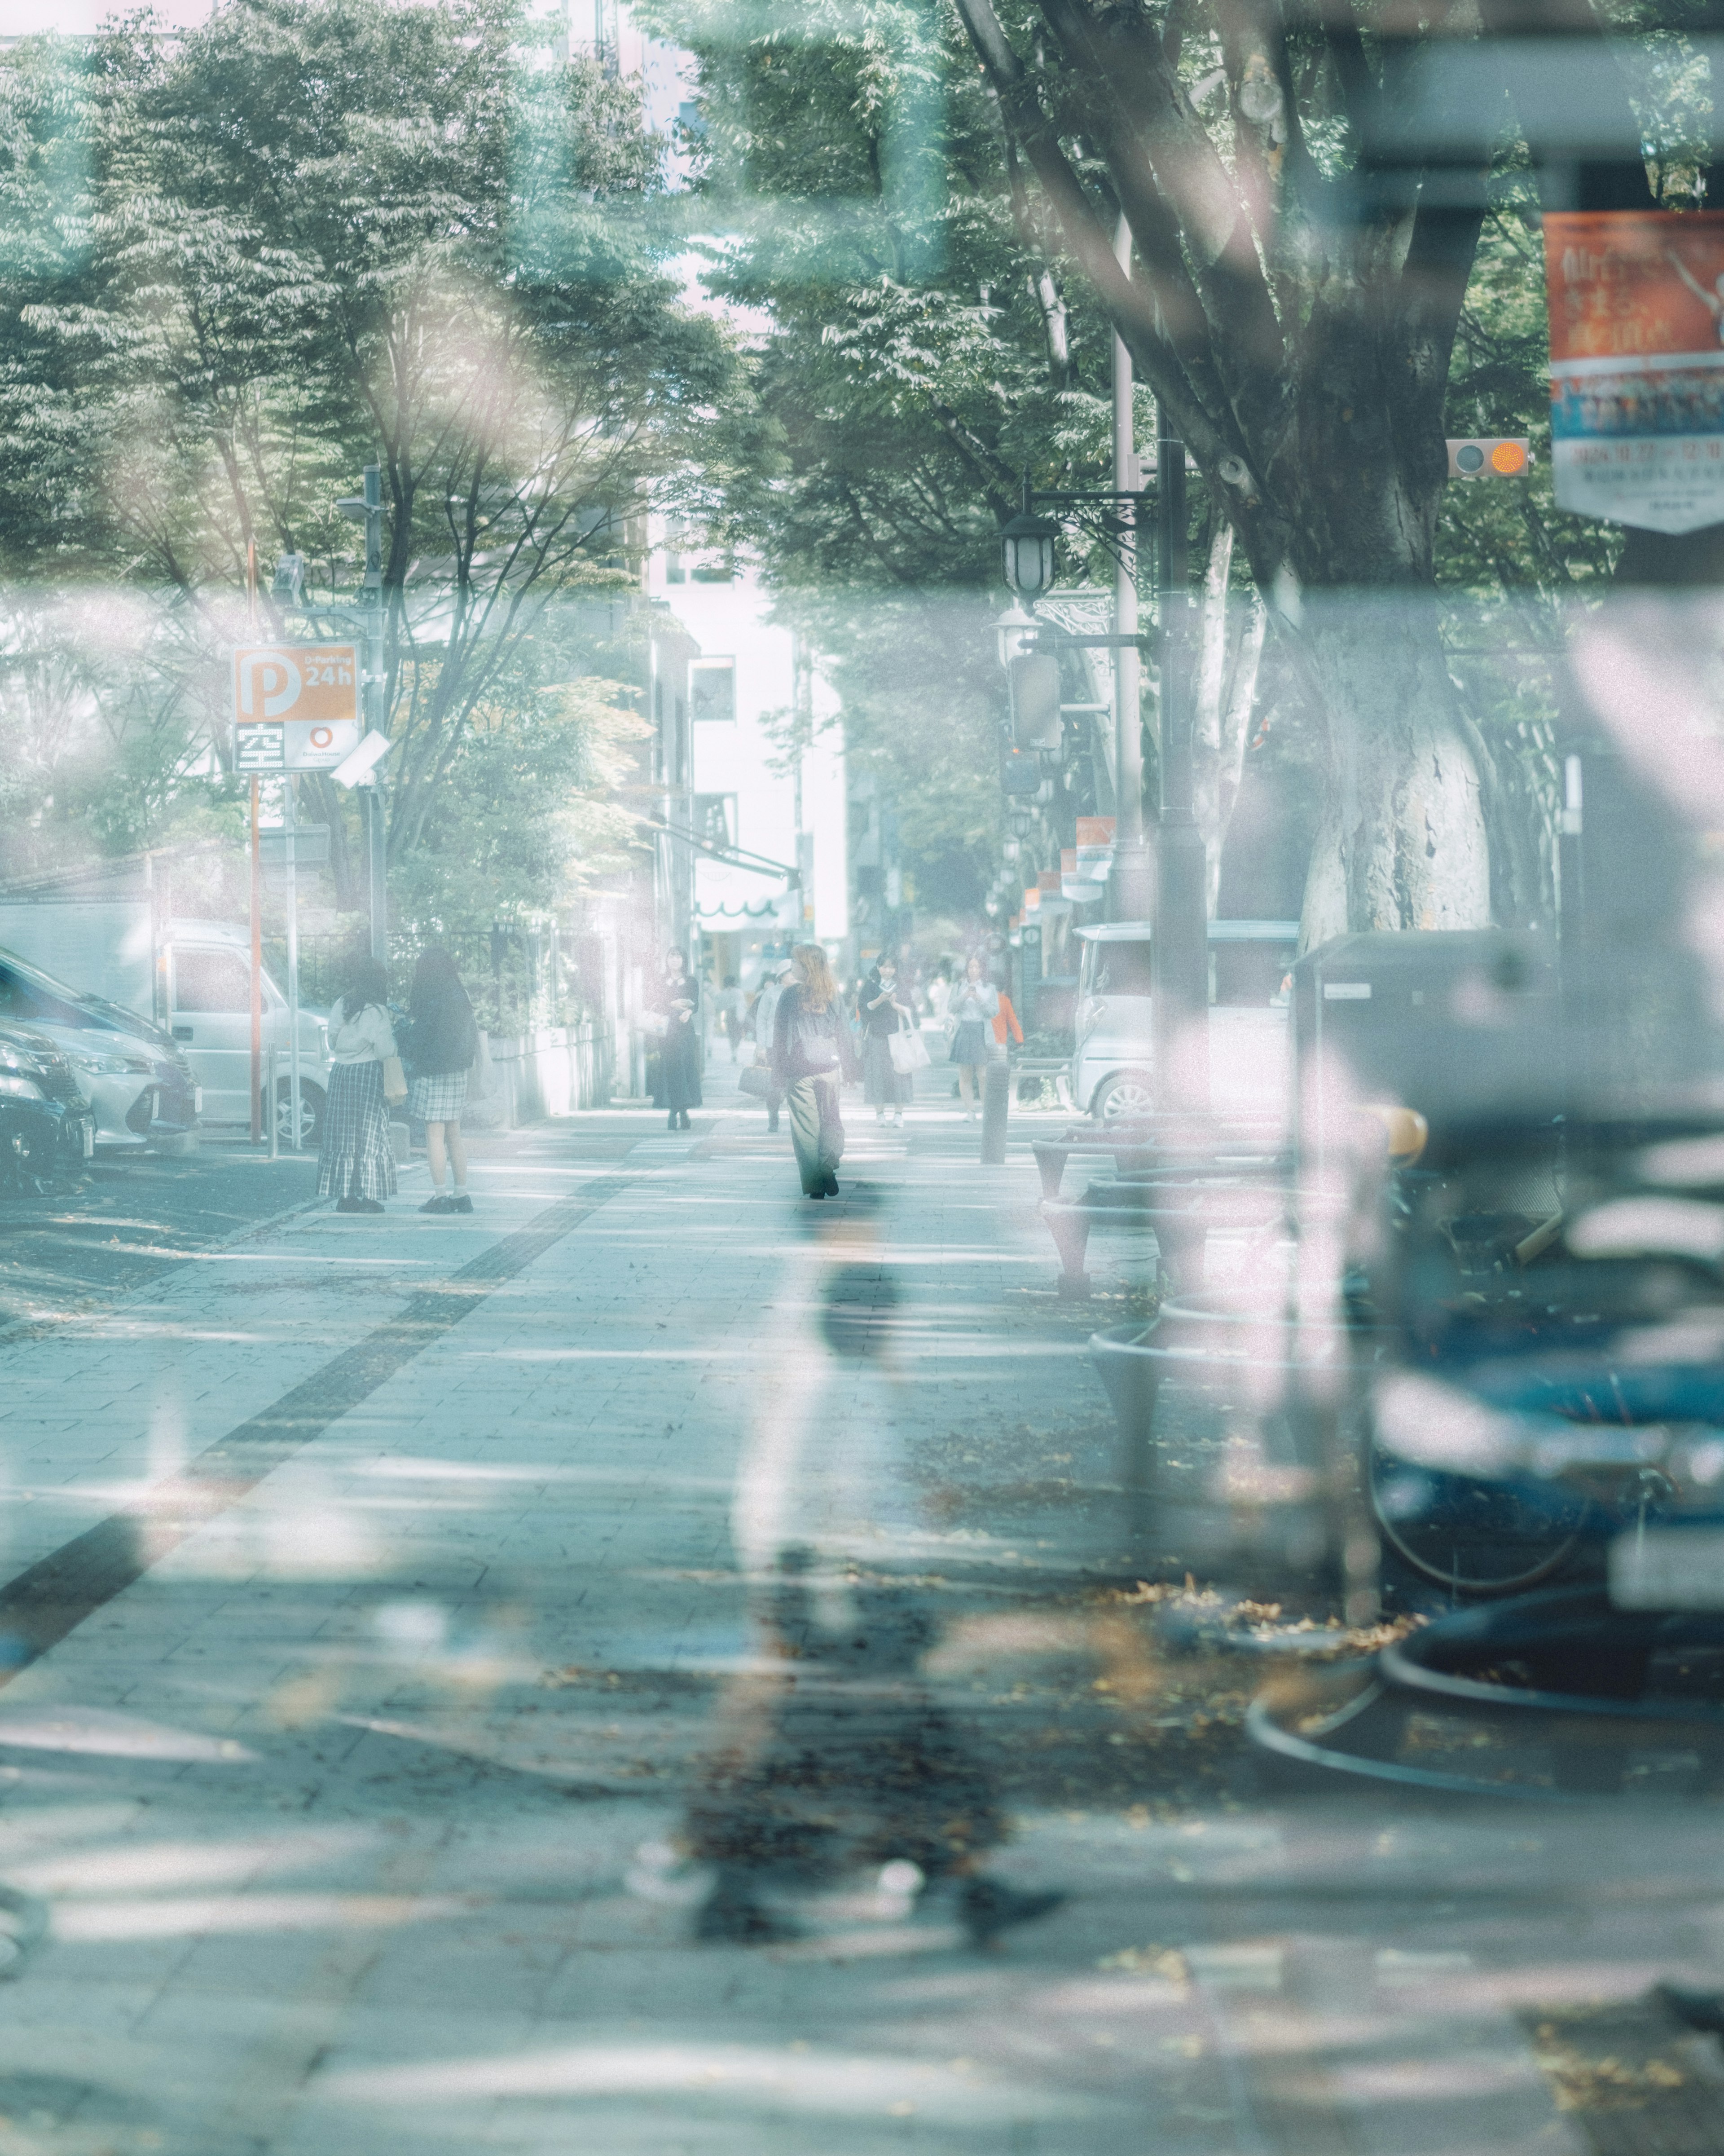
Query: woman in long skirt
[[356, 1165], [812, 1052], [883, 1009], [677, 1001]]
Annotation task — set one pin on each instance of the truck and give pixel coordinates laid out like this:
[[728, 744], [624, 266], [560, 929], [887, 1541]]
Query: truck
[[112, 935]]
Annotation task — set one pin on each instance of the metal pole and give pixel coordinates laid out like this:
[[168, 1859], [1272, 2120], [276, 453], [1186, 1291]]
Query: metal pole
[[274, 1122], [293, 972], [374, 684], [257, 972], [1179, 959], [1131, 885]]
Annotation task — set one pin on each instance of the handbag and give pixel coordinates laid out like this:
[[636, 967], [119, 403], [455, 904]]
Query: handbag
[[394, 1079], [908, 1050], [655, 1023], [755, 1078]]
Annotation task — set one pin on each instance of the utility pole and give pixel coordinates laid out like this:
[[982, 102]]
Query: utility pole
[[1179, 958], [370, 793], [1131, 885]]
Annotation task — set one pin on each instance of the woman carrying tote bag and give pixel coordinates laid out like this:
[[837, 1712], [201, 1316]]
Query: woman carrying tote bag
[[356, 1165], [812, 1053], [884, 1010]]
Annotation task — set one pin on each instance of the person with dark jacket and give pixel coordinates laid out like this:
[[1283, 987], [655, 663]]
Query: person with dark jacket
[[442, 1042], [677, 1000], [883, 1009], [812, 1053]]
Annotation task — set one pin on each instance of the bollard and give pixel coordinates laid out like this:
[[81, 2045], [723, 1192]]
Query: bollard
[[996, 1099], [269, 1111]]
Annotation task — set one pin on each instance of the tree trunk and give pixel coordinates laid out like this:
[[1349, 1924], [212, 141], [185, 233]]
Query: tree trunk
[[1401, 844], [1229, 649]]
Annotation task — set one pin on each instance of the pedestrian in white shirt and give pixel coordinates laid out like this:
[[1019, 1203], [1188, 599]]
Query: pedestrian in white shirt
[[357, 1165]]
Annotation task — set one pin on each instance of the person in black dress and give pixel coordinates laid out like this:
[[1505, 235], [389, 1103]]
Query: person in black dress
[[883, 1009], [677, 1000]]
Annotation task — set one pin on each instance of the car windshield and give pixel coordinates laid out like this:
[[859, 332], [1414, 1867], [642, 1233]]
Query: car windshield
[[26, 993], [1115, 967]]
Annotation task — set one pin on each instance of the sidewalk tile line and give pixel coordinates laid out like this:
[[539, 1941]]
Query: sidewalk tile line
[[54, 1596]]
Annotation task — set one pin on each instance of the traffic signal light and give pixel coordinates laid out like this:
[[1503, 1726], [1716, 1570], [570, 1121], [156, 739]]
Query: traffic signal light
[[1489, 456], [1035, 701]]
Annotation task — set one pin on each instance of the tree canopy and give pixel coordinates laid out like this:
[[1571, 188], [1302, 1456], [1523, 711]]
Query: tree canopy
[[245, 261]]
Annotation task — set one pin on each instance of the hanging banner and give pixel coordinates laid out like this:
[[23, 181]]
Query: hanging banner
[[1637, 365]]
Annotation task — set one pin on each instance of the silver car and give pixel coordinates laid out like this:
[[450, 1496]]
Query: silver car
[[133, 1077], [1113, 1067]]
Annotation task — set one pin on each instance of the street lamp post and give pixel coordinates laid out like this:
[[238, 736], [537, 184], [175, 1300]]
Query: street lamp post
[[1179, 956]]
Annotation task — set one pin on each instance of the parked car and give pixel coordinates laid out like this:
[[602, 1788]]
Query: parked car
[[1113, 1067], [190, 978], [133, 1077], [46, 1124]]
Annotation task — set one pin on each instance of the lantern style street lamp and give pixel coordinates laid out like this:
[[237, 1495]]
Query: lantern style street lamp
[[1026, 544]]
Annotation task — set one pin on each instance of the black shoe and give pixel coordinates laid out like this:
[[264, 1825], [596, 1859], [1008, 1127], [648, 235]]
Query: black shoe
[[831, 1184], [460, 1203], [686, 1124], [367, 1205], [988, 1907], [814, 1193], [347, 1205], [670, 1120], [437, 1203]]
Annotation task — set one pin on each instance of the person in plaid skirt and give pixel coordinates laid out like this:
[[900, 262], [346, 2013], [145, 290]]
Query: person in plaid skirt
[[355, 1166], [442, 1044]]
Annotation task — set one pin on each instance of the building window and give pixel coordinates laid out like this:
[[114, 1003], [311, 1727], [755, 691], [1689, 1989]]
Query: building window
[[712, 690], [717, 570]]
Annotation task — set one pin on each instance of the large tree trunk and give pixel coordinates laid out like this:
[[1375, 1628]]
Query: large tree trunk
[[1402, 843], [1229, 651]]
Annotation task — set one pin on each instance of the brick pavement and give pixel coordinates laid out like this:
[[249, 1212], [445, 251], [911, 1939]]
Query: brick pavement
[[336, 1809]]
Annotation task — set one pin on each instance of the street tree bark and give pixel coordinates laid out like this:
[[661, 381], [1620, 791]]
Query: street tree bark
[[1230, 635], [1297, 333]]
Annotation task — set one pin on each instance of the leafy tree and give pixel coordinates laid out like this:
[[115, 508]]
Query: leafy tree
[[321, 233]]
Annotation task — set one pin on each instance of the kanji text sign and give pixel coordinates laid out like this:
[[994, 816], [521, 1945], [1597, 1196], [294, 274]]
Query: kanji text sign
[[296, 706]]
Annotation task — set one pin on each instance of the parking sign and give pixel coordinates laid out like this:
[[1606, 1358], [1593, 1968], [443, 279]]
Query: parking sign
[[296, 706]]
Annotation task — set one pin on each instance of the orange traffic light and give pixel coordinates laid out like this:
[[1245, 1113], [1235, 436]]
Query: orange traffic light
[[1489, 456]]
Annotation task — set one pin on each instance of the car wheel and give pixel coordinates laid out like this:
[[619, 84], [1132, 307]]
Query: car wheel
[[1126, 1093], [311, 1114]]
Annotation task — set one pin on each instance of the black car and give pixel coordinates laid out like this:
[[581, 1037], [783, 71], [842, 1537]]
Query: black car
[[47, 1127]]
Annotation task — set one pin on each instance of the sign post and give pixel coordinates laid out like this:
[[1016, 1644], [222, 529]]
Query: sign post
[[257, 973], [296, 707]]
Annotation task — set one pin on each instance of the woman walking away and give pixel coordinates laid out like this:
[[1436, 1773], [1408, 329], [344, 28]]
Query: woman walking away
[[356, 1167], [975, 1003], [766, 1012], [441, 1047], [884, 1009], [811, 1052], [677, 1000]]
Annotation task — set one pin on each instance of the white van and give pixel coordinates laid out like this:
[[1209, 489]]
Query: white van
[[1112, 1065], [187, 977], [209, 1016]]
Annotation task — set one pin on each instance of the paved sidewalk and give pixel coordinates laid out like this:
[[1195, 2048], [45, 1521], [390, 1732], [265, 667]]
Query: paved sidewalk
[[416, 1565]]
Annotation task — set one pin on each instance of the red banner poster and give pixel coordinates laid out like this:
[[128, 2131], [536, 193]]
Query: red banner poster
[[1637, 365]]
